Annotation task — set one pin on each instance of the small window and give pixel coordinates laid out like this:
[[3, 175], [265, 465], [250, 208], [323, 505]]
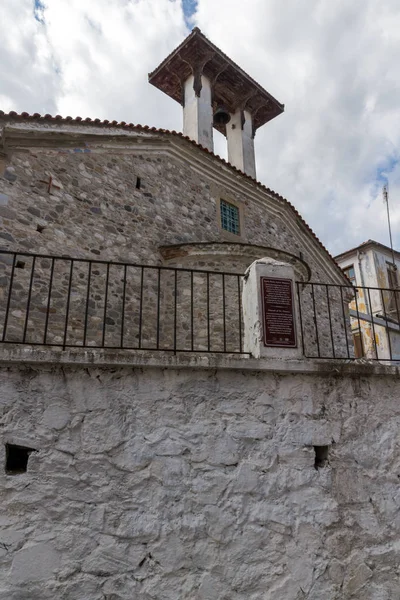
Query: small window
[[358, 345], [230, 217], [392, 275], [349, 271]]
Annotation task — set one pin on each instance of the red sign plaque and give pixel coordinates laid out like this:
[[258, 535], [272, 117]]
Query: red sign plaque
[[278, 312]]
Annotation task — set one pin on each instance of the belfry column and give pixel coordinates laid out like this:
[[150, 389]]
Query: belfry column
[[240, 137], [197, 111]]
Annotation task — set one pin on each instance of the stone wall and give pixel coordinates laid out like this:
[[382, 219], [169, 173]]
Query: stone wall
[[109, 202], [96, 207], [200, 484]]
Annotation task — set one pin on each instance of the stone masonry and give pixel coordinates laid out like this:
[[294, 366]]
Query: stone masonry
[[160, 484]]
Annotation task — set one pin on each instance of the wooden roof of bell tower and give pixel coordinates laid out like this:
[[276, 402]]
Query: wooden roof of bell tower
[[231, 86]]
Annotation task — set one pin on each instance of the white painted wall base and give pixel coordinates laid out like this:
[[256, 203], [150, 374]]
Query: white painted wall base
[[198, 484]]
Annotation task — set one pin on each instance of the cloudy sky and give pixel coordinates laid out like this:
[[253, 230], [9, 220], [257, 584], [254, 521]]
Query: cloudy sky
[[335, 66]]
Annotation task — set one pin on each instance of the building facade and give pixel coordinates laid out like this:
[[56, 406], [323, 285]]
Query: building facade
[[373, 269], [155, 444]]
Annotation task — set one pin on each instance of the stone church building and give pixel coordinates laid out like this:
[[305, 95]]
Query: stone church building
[[164, 434]]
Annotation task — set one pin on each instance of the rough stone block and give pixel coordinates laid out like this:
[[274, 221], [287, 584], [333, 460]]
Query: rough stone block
[[37, 562]]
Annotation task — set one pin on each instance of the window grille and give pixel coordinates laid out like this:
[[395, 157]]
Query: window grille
[[230, 217]]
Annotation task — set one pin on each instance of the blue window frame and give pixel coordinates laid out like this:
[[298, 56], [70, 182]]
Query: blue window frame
[[230, 217]]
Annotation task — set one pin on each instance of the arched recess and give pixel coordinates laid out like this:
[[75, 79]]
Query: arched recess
[[228, 257]]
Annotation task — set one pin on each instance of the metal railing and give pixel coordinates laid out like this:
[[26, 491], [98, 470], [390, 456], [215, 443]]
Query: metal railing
[[349, 322], [69, 302], [74, 302]]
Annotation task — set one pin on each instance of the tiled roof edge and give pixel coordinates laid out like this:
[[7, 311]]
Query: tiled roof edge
[[364, 245]]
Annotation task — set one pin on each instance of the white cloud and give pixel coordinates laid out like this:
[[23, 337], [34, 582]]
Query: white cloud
[[333, 64], [26, 67]]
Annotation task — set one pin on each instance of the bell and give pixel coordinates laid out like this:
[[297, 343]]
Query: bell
[[221, 116]]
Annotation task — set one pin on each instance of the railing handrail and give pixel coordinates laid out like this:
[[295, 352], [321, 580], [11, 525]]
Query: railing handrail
[[350, 285], [119, 263]]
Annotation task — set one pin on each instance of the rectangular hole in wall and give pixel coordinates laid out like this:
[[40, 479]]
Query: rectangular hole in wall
[[138, 182], [17, 459], [321, 456]]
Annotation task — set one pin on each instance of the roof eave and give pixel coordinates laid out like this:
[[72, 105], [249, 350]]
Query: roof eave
[[196, 32]]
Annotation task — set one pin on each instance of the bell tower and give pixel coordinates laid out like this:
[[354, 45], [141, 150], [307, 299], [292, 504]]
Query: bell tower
[[215, 92]]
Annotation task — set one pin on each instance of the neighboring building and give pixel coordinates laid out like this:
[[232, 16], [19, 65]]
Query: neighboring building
[[375, 328], [145, 453]]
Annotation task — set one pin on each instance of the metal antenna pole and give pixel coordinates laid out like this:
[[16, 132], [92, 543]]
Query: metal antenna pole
[[385, 192]]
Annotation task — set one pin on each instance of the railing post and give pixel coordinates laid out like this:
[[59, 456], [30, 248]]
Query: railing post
[[270, 310]]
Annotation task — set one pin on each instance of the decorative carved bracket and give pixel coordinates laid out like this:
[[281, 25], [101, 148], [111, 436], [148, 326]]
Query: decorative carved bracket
[[254, 113], [197, 68]]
